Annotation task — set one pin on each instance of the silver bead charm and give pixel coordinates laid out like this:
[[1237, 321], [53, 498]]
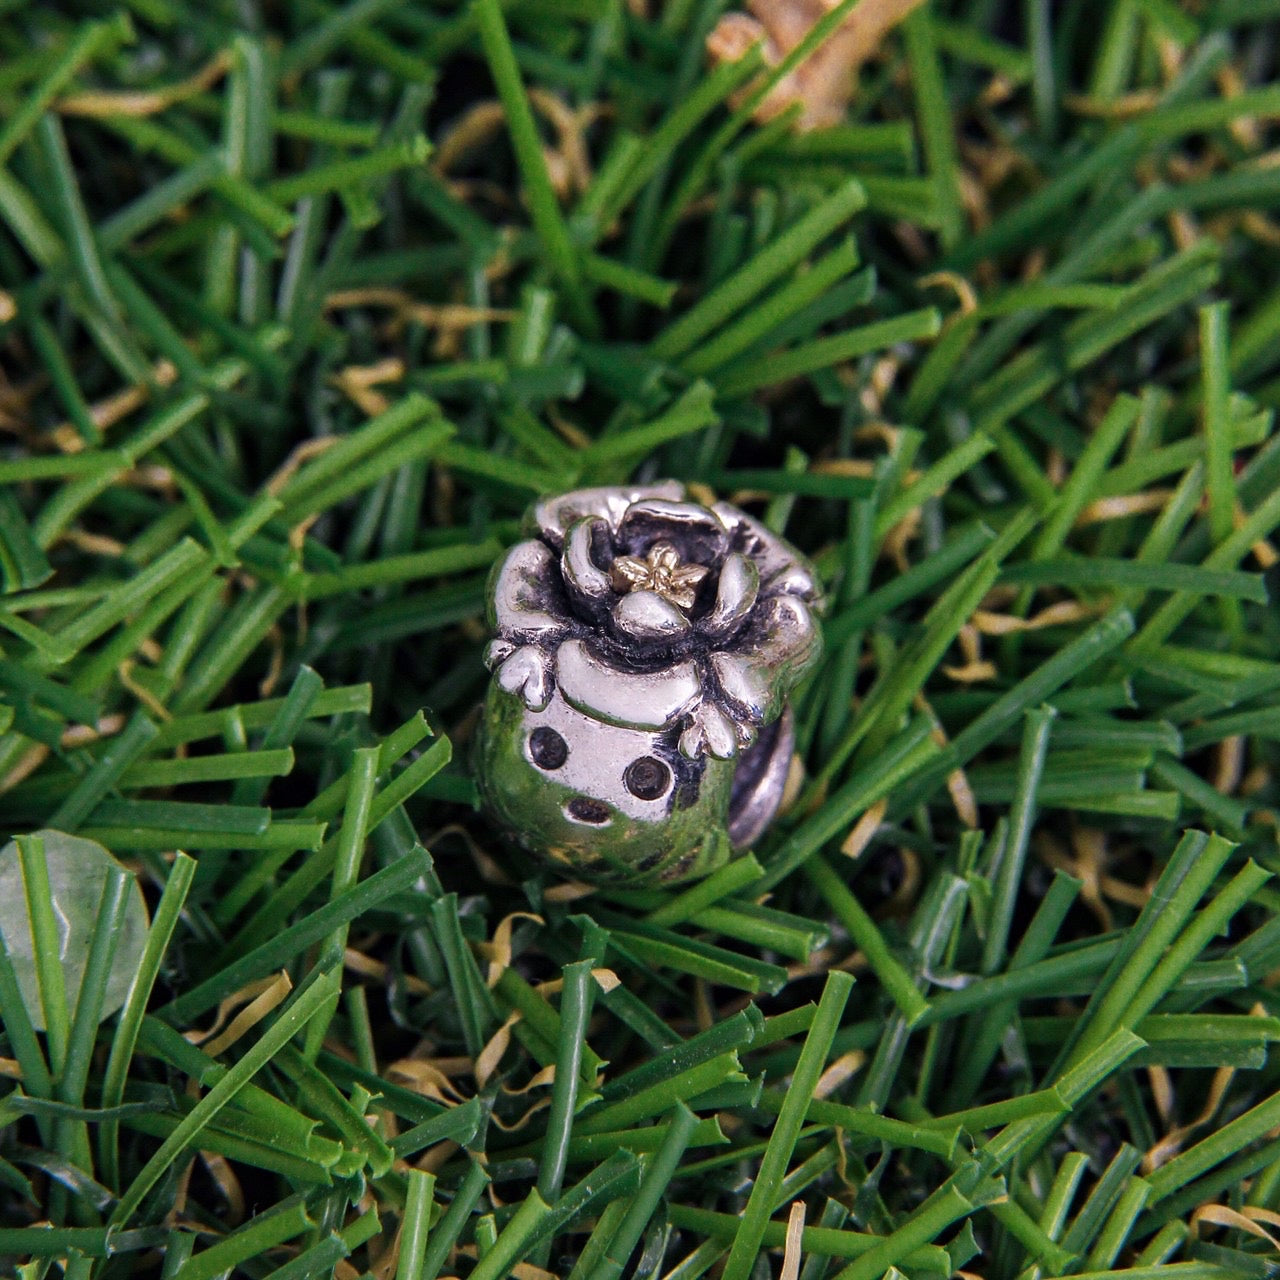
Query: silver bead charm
[[636, 727]]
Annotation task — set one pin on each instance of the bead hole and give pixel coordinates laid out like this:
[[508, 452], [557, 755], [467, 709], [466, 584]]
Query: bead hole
[[647, 778], [547, 749], [585, 809]]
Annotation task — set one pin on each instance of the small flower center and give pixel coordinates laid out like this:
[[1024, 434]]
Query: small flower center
[[662, 572]]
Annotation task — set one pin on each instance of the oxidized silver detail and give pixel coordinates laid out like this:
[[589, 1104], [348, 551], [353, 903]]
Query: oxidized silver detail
[[642, 632]]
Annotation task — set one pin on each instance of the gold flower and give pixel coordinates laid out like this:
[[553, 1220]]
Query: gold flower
[[660, 572]]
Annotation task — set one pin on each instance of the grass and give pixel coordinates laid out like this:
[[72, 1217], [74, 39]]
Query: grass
[[294, 324]]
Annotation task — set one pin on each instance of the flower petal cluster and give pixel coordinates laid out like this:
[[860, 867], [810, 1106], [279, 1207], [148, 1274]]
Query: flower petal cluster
[[647, 609]]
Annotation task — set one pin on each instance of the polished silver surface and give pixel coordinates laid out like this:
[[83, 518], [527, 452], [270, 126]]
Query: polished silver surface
[[637, 723]]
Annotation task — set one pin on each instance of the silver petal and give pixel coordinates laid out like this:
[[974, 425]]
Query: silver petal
[[552, 517], [525, 602], [736, 595], [709, 731], [783, 570], [527, 672], [781, 646], [745, 685], [645, 615], [696, 533], [496, 652], [584, 580]]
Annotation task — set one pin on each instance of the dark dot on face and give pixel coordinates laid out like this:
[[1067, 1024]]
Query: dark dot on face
[[647, 778], [587, 810], [547, 748]]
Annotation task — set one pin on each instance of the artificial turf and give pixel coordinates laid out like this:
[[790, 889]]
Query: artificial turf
[[302, 304]]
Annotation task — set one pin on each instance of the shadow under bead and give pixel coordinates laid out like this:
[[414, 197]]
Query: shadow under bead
[[636, 728]]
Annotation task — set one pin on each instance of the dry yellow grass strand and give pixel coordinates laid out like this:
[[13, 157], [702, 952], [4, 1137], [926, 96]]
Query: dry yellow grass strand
[[251, 1015], [999, 89], [888, 435], [541, 1105], [472, 129], [1169, 1146], [297, 537], [1122, 505], [1265, 554], [498, 951], [841, 1071], [855, 843], [1261, 228], [425, 1076], [368, 967], [959, 789], [606, 980], [359, 384], [791, 1254], [1228, 766], [27, 764], [544, 1077], [228, 1184], [177, 1215], [275, 668], [962, 797], [80, 735], [15, 405], [961, 287], [527, 1271], [1133, 895], [1054, 615], [1086, 862], [1161, 1091], [794, 784], [96, 544], [569, 432], [896, 541], [971, 672], [245, 995], [1184, 229], [431, 315], [124, 673], [820, 962], [975, 668], [106, 413], [488, 1058], [1248, 1219], [1246, 130], [568, 162], [104, 103], [571, 124], [873, 389], [568, 891], [860, 467], [300, 455], [903, 899], [704, 1012], [434, 1160], [1122, 107]]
